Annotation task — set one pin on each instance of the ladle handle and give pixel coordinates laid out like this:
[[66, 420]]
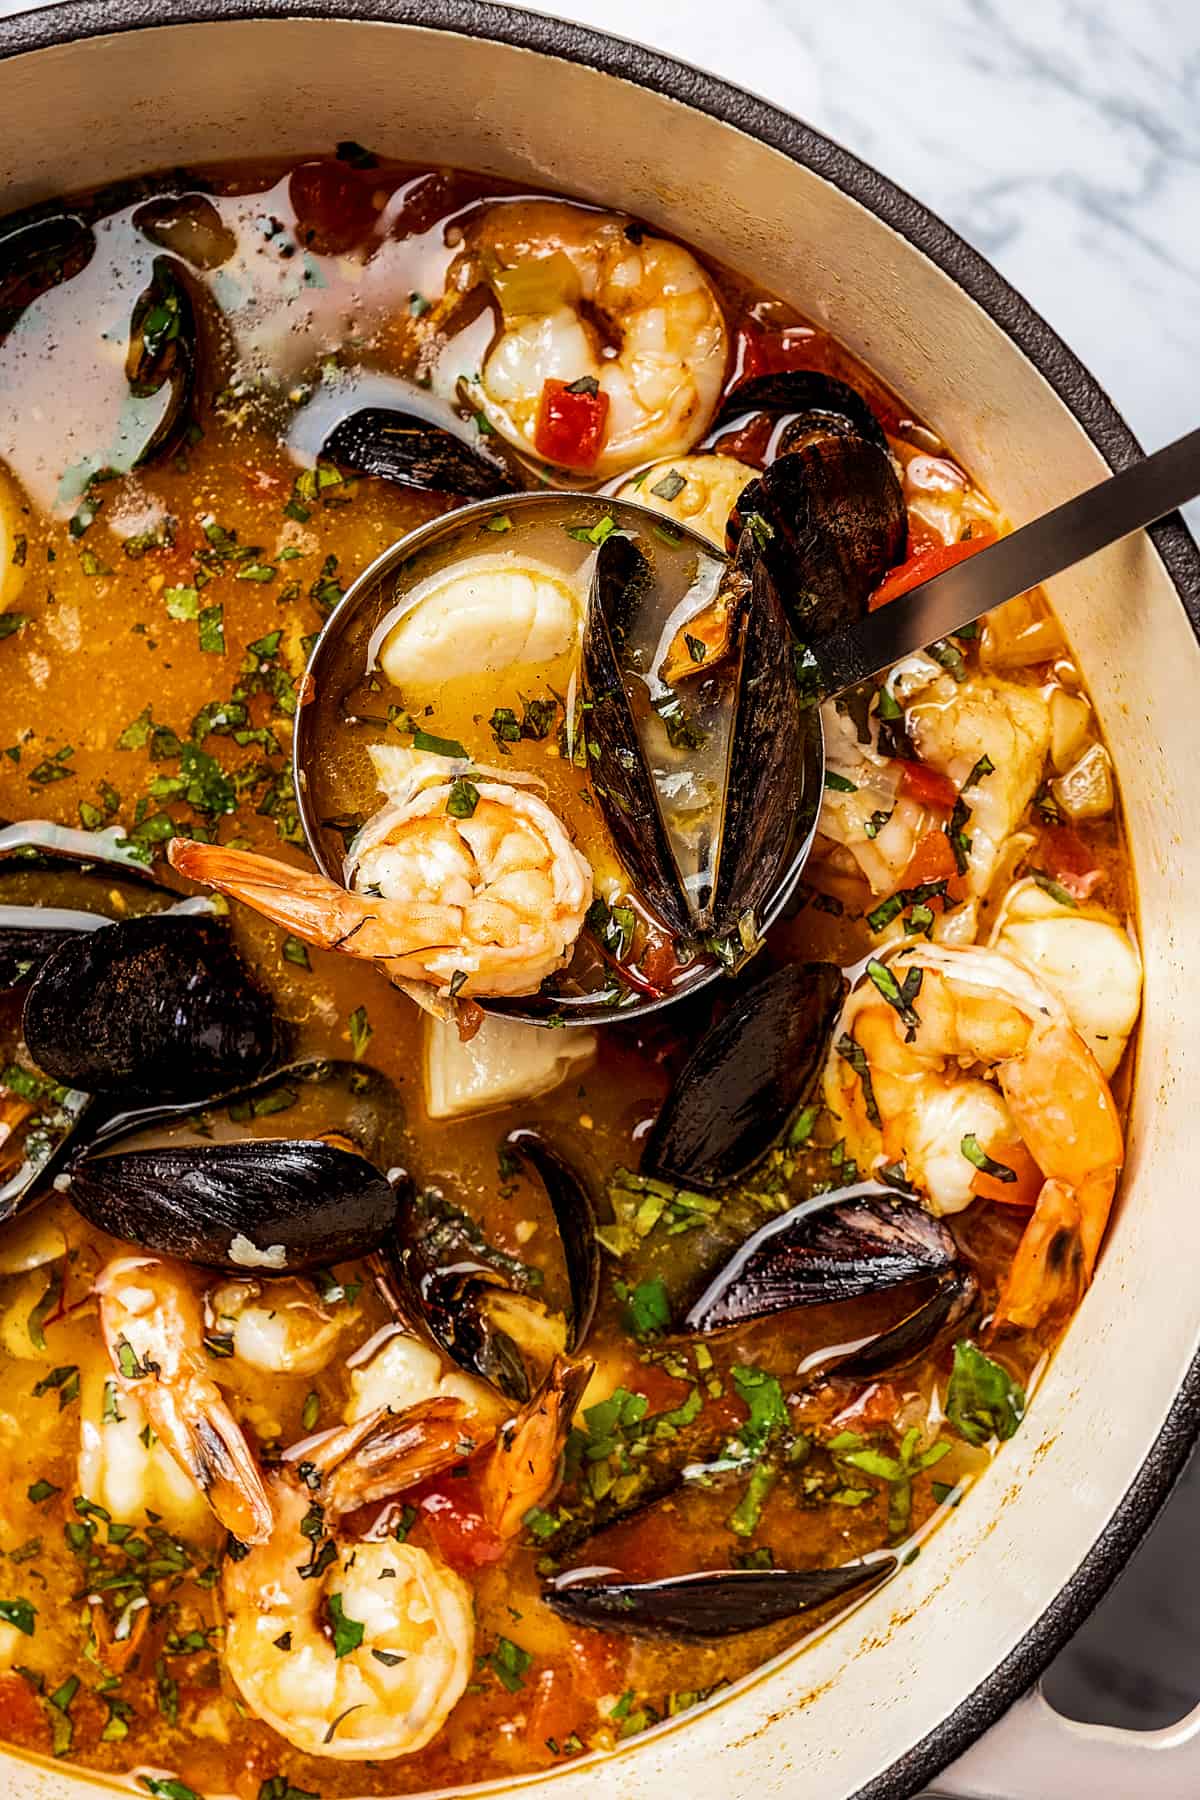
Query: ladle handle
[[1102, 515]]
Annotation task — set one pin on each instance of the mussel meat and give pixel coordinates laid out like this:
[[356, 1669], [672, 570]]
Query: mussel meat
[[414, 453], [159, 1005], [749, 1075], [162, 359], [712, 1603], [711, 822], [179, 1182], [842, 1246], [480, 1306]]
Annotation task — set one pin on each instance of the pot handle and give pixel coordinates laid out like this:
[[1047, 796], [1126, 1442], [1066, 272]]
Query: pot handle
[[1034, 1753]]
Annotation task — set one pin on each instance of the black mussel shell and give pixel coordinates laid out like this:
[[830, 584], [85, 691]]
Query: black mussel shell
[[443, 1276], [414, 453], [163, 355], [36, 253], [161, 1005], [37, 1147], [711, 1603], [747, 1078], [56, 882], [769, 778], [841, 1246], [954, 1297], [819, 402], [270, 1205], [830, 519]]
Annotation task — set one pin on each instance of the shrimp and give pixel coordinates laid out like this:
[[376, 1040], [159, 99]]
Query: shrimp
[[360, 1647], [151, 1321], [700, 491], [1050, 1136], [571, 283], [487, 903], [283, 1330]]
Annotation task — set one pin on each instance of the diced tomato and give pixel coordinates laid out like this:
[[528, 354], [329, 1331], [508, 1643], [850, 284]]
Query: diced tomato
[[22, 1720], [1067, 858], [927, 787], [457, 1526], [926, 564], [876, 1405], [570, 424], [762, 352], [933, 860], [1022, 1192], [556, 1709], [333, 206]]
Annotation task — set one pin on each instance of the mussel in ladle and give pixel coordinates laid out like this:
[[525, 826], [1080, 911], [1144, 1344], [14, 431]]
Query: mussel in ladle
[[712, 1603], [203, 1187], [160, 1005], [749, 1075], [483, 1307], [414, 453]]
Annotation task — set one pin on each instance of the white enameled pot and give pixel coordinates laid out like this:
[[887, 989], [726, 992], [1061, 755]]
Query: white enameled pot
[[108, 88]]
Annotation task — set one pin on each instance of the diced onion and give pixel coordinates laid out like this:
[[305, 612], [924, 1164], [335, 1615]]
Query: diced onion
[[1021, 632], [1086, 789], [1070, 717]]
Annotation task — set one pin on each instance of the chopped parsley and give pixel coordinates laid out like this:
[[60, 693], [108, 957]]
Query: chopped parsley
[[348, 1633], [509, 1663], [463, 798], [360, 1032], [898, 996], [982, 1399], [975, 1154], [852, 1052]]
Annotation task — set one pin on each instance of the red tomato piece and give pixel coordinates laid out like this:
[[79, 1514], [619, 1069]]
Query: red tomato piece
[[927, 787], [22, 1720], [457, 1526], [1067, 858], [333, 206], [926, 564], [762, 352], [933, 860], [570, 424]]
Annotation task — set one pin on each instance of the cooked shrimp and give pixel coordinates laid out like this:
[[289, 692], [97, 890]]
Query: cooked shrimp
[[1050, 1136], [699, 491], [571, 283], [489, 903], [282, 1329], [151, 1321], [360, 1648], [1084, 955]]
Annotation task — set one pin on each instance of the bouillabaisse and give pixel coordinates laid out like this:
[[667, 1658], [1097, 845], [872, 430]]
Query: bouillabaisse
[[342, 1318]]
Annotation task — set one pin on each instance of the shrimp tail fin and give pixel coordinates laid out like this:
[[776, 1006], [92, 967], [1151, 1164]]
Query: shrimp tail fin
[[214, 1452], [311, 905], [1053, 1262], [386, 1453], [524, 1466]]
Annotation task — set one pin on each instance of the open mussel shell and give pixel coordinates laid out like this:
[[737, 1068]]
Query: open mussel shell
[[37, 251], [478, 1304], [281, 1175], [841, 1246], [807, 400], [162, 360], [56, 882], [713, 1603], [765, 776], [159, 1005], [831, 521], [749, 1075], [412, 452]]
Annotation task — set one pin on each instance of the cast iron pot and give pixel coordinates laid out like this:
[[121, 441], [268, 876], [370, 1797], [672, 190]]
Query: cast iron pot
[[883, 1702]]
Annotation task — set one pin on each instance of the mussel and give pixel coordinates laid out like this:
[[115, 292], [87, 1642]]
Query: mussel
[[713, 821], [223, 1188], [56, 882], [189, 226], [38, 250], [712, 1603], [160, 1005], [412, 452], [749, 1075], [806, 401], [162, 359], [482, 1307]]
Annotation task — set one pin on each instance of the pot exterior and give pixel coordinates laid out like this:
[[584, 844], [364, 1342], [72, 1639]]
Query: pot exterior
[[880, 1703]]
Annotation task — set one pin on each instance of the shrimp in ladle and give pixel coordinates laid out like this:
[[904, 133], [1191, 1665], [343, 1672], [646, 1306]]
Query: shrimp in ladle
[[478, 895]]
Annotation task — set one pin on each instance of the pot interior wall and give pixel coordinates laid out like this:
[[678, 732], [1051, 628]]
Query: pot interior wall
[[848, 1706]]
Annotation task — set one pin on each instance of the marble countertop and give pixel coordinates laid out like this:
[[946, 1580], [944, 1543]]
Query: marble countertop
[[1063, 141]]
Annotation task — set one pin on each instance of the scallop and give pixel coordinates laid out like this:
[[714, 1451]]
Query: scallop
[[486, 616]]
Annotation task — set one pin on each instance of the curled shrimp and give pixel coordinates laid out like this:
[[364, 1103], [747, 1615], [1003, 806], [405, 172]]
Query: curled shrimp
[[359, 1647], [567, 279], [487, 904], [1045, 1133], [153, 1330]]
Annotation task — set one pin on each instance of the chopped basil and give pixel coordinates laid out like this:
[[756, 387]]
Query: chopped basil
[[211, 623], [505, 726], [670, 487], [360, 1031], [438, 746], [982, 1399], [697, 649], [311, 1410], [498, 522], [593, 534], [746, 1514], [950, 657], [960, 843], [587, 384], [763, 1396], [347, 1633], [41, 1491], [802, 1130], [509, 1663], [613, 925], [19, 1613], [985, 766], [647, 1309], [876, 823], [975, 1154], [12, 622], [463, 798], [294, 950], [418, 305], [897, 996], [168, 1787], [61, 1729], [1055, 889], [852, 1052], [839, 784]]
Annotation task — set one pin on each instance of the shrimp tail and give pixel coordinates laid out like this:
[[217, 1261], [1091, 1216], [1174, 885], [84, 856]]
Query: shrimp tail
[[385, 1453], [213, 1451], [1053, 1263], [523, 1468]]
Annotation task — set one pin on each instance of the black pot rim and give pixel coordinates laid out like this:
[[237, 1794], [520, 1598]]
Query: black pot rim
[[1076, 388]]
